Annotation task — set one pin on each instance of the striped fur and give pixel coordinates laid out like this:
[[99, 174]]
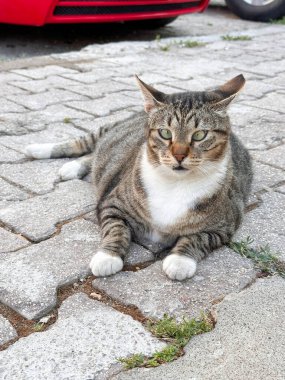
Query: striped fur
[[185, 194]]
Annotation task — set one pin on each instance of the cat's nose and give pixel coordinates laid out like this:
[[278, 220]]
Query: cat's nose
[[180, 157]]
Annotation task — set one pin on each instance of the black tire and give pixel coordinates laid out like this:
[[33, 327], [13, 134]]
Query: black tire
[[154, 23], [273, 10]]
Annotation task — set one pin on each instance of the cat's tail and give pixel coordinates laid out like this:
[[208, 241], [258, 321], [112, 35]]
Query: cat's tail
[[73, 148]]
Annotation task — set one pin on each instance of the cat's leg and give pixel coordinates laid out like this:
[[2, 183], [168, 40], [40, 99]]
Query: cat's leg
[[116, 238], [76, 168], [72, 148], [181, 263]]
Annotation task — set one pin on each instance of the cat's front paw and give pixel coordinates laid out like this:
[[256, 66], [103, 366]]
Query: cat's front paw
[[179, 267], [39, 150], [71, 170], [104, 264]]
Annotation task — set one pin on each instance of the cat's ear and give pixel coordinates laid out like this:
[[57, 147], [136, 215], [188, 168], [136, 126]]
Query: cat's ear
[[153, 98], [226, 93]]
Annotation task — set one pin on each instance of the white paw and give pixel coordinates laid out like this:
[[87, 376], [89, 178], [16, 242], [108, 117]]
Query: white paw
[[39, 150], [179, 267], [70, 170], [105, 264]]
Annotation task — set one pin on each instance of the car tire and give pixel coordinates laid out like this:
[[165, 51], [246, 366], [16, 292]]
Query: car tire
[[154, 23], [267, 12]]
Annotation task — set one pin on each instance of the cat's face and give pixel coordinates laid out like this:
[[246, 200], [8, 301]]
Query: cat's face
[[186, 141], [188, 132]]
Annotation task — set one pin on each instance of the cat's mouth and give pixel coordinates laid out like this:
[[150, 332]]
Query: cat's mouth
[[179, 168]]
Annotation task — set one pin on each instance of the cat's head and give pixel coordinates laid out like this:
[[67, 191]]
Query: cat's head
[[188, 131]]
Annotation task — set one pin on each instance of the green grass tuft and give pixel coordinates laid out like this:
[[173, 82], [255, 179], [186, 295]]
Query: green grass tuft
[[67, 120], [281, 21], [176, 333], [38, 326], [192, 44], [263, 258], [227, 37]]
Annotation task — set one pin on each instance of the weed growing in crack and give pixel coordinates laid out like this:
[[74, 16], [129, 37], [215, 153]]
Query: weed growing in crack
[[177, 334], [227, 37], [263, 258], [67, 120], [181, 44], [38, 326], [281, 21]]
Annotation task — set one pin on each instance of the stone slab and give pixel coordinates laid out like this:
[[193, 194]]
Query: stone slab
[[40, 269], [154, 294], [7, 331], [84, 343], [37, 176], [247, 343], [9, 193], [138, 255], [36, 218], [274, 157], [52, 96], [9, 155], [265, 224], [104, 106], [266, 176], [11, 242], [52, 132]]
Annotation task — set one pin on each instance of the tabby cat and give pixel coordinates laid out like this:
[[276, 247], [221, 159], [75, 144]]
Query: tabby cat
[[177, 176]]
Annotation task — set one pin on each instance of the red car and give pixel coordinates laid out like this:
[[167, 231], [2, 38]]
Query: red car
[[41, 12]]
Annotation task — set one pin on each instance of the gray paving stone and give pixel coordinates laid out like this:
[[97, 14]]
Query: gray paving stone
[[154, 294], [271, 101], [9, 155], [84, 343], [98, 89], [243, 115], [265, 224], [56, 113], [266, 176], [98, 73], [9, 193], [38, 176], [7, 89], [104, 106], [272, 134], [53, 96], [7, 331], [138, 255], [40, 269], [274, 157], [43, 72], [6, 77], [37, 218], [53, 132], [11, 242], [281, 189], [8, 106], [94, 124], [41, 85], [247, 343]]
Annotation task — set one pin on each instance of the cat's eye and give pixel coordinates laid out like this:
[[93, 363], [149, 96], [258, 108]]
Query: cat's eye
[[165, 133], [199, 135]]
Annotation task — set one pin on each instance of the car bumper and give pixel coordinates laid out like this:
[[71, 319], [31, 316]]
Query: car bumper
[[35, 12]]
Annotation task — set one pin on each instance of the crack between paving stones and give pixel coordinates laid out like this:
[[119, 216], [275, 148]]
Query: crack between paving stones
[[21, 187], [11, 229], [25, 327], [269, 164]]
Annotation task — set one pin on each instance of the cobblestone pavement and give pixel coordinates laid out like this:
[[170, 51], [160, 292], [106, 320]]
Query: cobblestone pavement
[[57, 321]]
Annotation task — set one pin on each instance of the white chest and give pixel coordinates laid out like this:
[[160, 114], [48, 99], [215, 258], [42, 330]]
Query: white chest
[[171, 195]]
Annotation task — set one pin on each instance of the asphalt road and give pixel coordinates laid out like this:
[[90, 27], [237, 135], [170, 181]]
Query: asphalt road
[[21, 42]]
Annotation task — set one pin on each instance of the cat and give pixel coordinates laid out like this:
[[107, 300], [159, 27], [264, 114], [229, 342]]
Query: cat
[[175, 174]]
